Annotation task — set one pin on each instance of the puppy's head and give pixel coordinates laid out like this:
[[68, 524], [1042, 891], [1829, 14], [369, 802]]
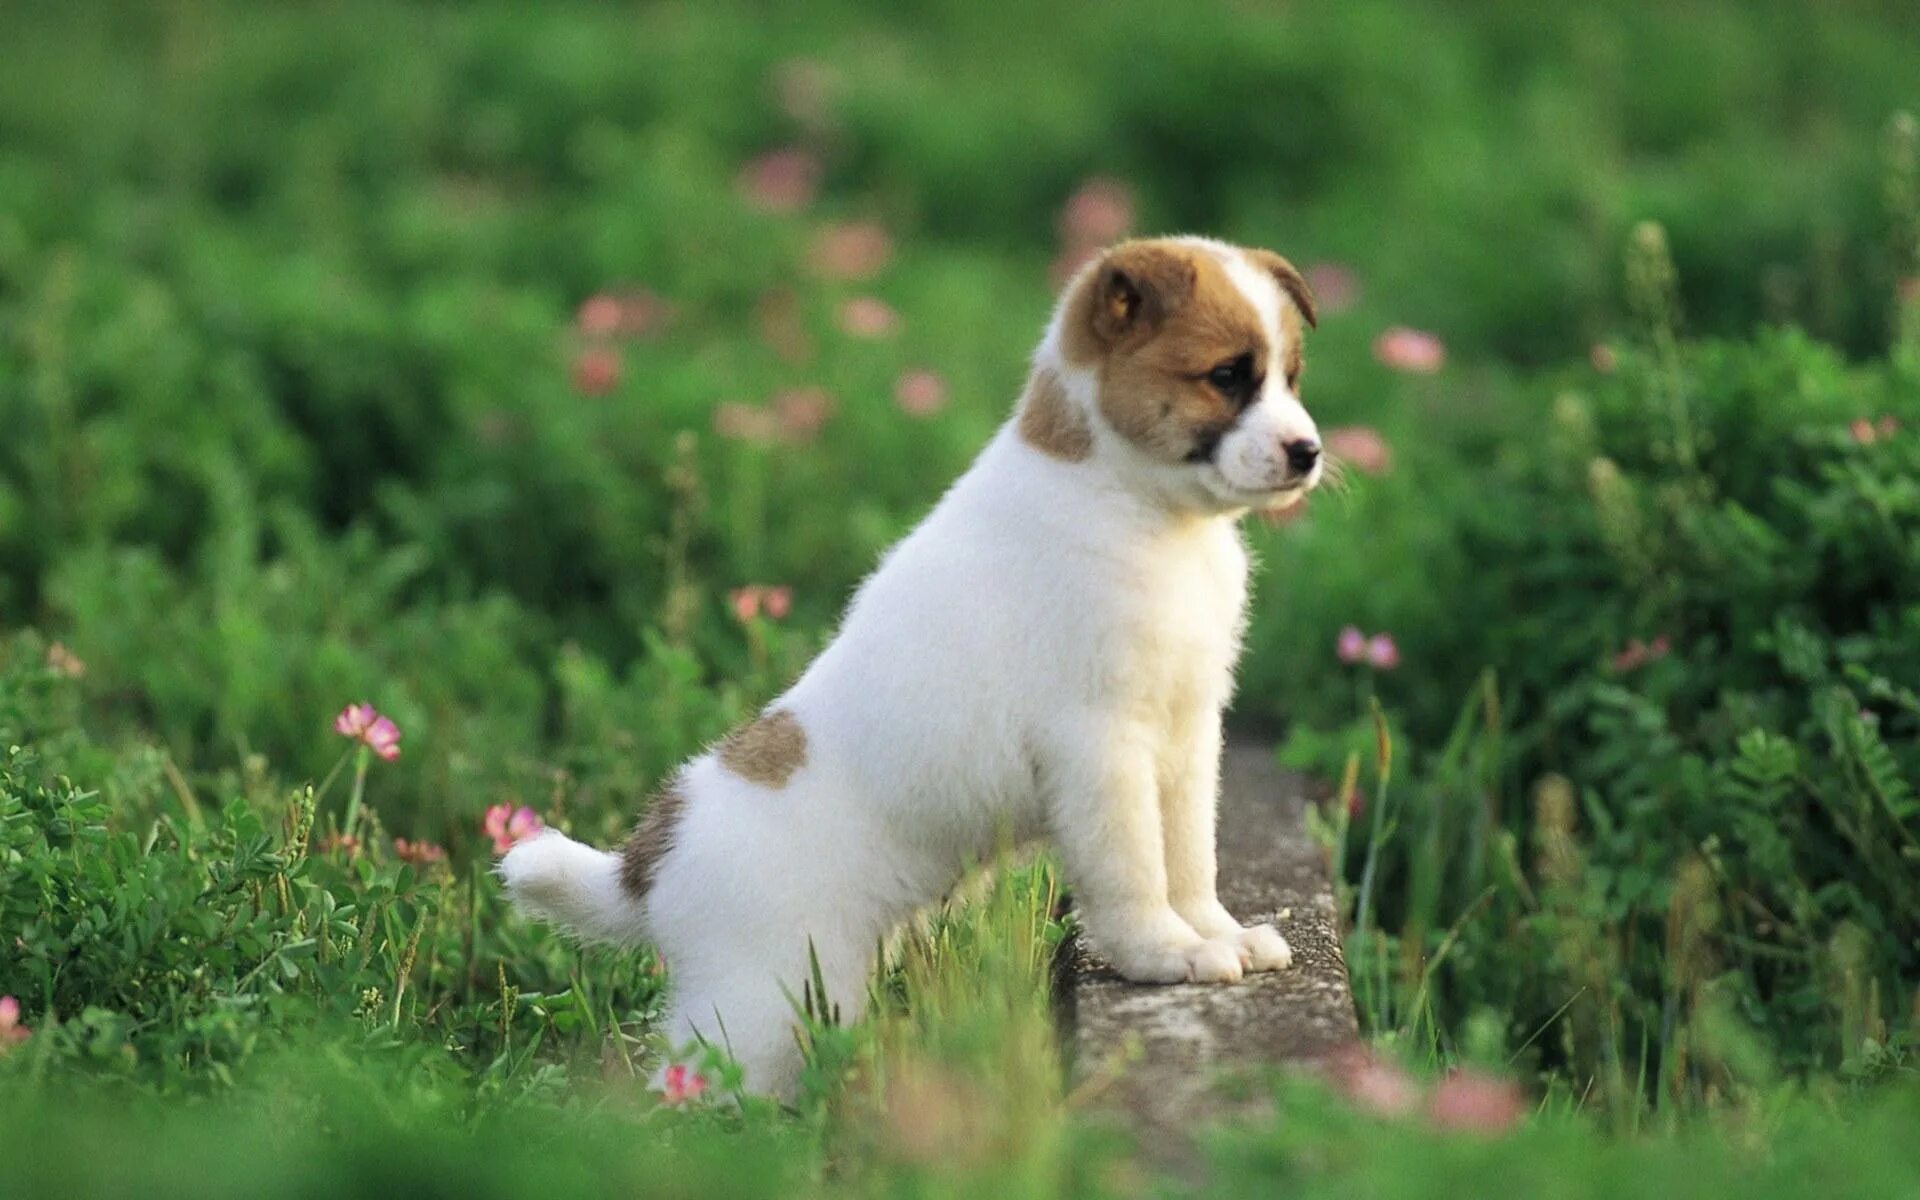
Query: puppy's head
[[1188, 352]]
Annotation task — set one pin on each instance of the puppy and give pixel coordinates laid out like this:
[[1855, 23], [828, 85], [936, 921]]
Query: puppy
[[1047, 654]]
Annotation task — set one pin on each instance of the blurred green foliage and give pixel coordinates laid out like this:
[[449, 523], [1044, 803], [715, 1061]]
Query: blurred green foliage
[[299, 405]]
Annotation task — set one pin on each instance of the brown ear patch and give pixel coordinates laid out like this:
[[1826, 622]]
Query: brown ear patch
[[1126, 296], [1154, 392], [768, 751], [1050, 423], [1296, 354], [1291, 281], [652, 838]]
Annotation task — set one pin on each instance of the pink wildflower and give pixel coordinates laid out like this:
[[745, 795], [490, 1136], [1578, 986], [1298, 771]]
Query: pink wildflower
[[65, 662], [596, 371], [850, 250], [599, 315], [920, 393], [12, 1031], [1382, 653], [868, 317], [1863, 431], [342, 843], [1470, 1102], [1361, 446], [1638, 654], [1371, 1084], [1351, 645], [681, 1085], [755, 599], [1100, 211], [1411, 350], [801, 412], [1908, 290], [418, 853], [1603, 358], [1336, 288], [507, 825], [780, 181], [362, 723]]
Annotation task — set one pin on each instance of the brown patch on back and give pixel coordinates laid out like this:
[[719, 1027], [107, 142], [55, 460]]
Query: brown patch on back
[[652, 838], [768, 751], [1050, 423]]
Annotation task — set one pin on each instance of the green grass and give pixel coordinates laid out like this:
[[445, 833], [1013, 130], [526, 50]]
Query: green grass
[[288, 419]]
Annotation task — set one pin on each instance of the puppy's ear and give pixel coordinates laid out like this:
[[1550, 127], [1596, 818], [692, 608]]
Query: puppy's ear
[[1134, 289], [1291, 281]]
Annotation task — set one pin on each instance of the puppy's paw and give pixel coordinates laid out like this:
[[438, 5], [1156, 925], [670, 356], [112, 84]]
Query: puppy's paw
[[1263, 949], [1195, 962]]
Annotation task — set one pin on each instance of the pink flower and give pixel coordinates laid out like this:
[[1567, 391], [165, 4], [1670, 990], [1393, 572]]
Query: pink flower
[[1100, 211], [1382, 653], [418, 853], [780, 181], [362, 723], [1410, 350], [1470, 1102], [1361, 446], [630, 313], [599, 316], [507, 825], [868, 317], [801, 412], [1908, 290], [1336, 288], [850, 250], [1863, 431], [680, 1085], [344, 843], [1375, 1086], [1638, 654], [596, 371], [1603, 358], [739, 421], [65, 662], [1351, 646], [920, 393], [754, 599], [12, 1031]]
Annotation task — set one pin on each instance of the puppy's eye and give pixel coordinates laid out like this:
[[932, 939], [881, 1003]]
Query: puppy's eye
[[1232, 376]]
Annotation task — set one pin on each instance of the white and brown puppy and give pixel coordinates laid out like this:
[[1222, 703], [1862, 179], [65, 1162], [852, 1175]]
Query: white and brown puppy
[[1047, 654]]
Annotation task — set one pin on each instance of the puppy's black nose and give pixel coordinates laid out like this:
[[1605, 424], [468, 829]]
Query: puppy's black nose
[[1301, 455]]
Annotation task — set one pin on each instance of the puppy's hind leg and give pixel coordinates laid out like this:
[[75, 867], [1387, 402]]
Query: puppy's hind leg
[[750, 1005]]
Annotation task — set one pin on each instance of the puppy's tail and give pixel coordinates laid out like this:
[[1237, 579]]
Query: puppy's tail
[[575, 887]]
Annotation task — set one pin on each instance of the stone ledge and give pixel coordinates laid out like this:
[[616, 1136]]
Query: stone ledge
[[1171, 1057]]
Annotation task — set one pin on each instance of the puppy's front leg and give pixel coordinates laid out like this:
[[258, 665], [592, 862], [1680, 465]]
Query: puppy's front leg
[[1189, 805], [1106, 824]]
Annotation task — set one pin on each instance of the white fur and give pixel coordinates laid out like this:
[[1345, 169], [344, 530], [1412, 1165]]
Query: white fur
[[1047, 654]]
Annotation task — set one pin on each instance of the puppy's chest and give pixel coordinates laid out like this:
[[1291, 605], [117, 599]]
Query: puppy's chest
[[1178, 630]]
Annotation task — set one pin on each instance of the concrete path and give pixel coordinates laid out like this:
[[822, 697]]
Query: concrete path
[[1173, 1057]]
